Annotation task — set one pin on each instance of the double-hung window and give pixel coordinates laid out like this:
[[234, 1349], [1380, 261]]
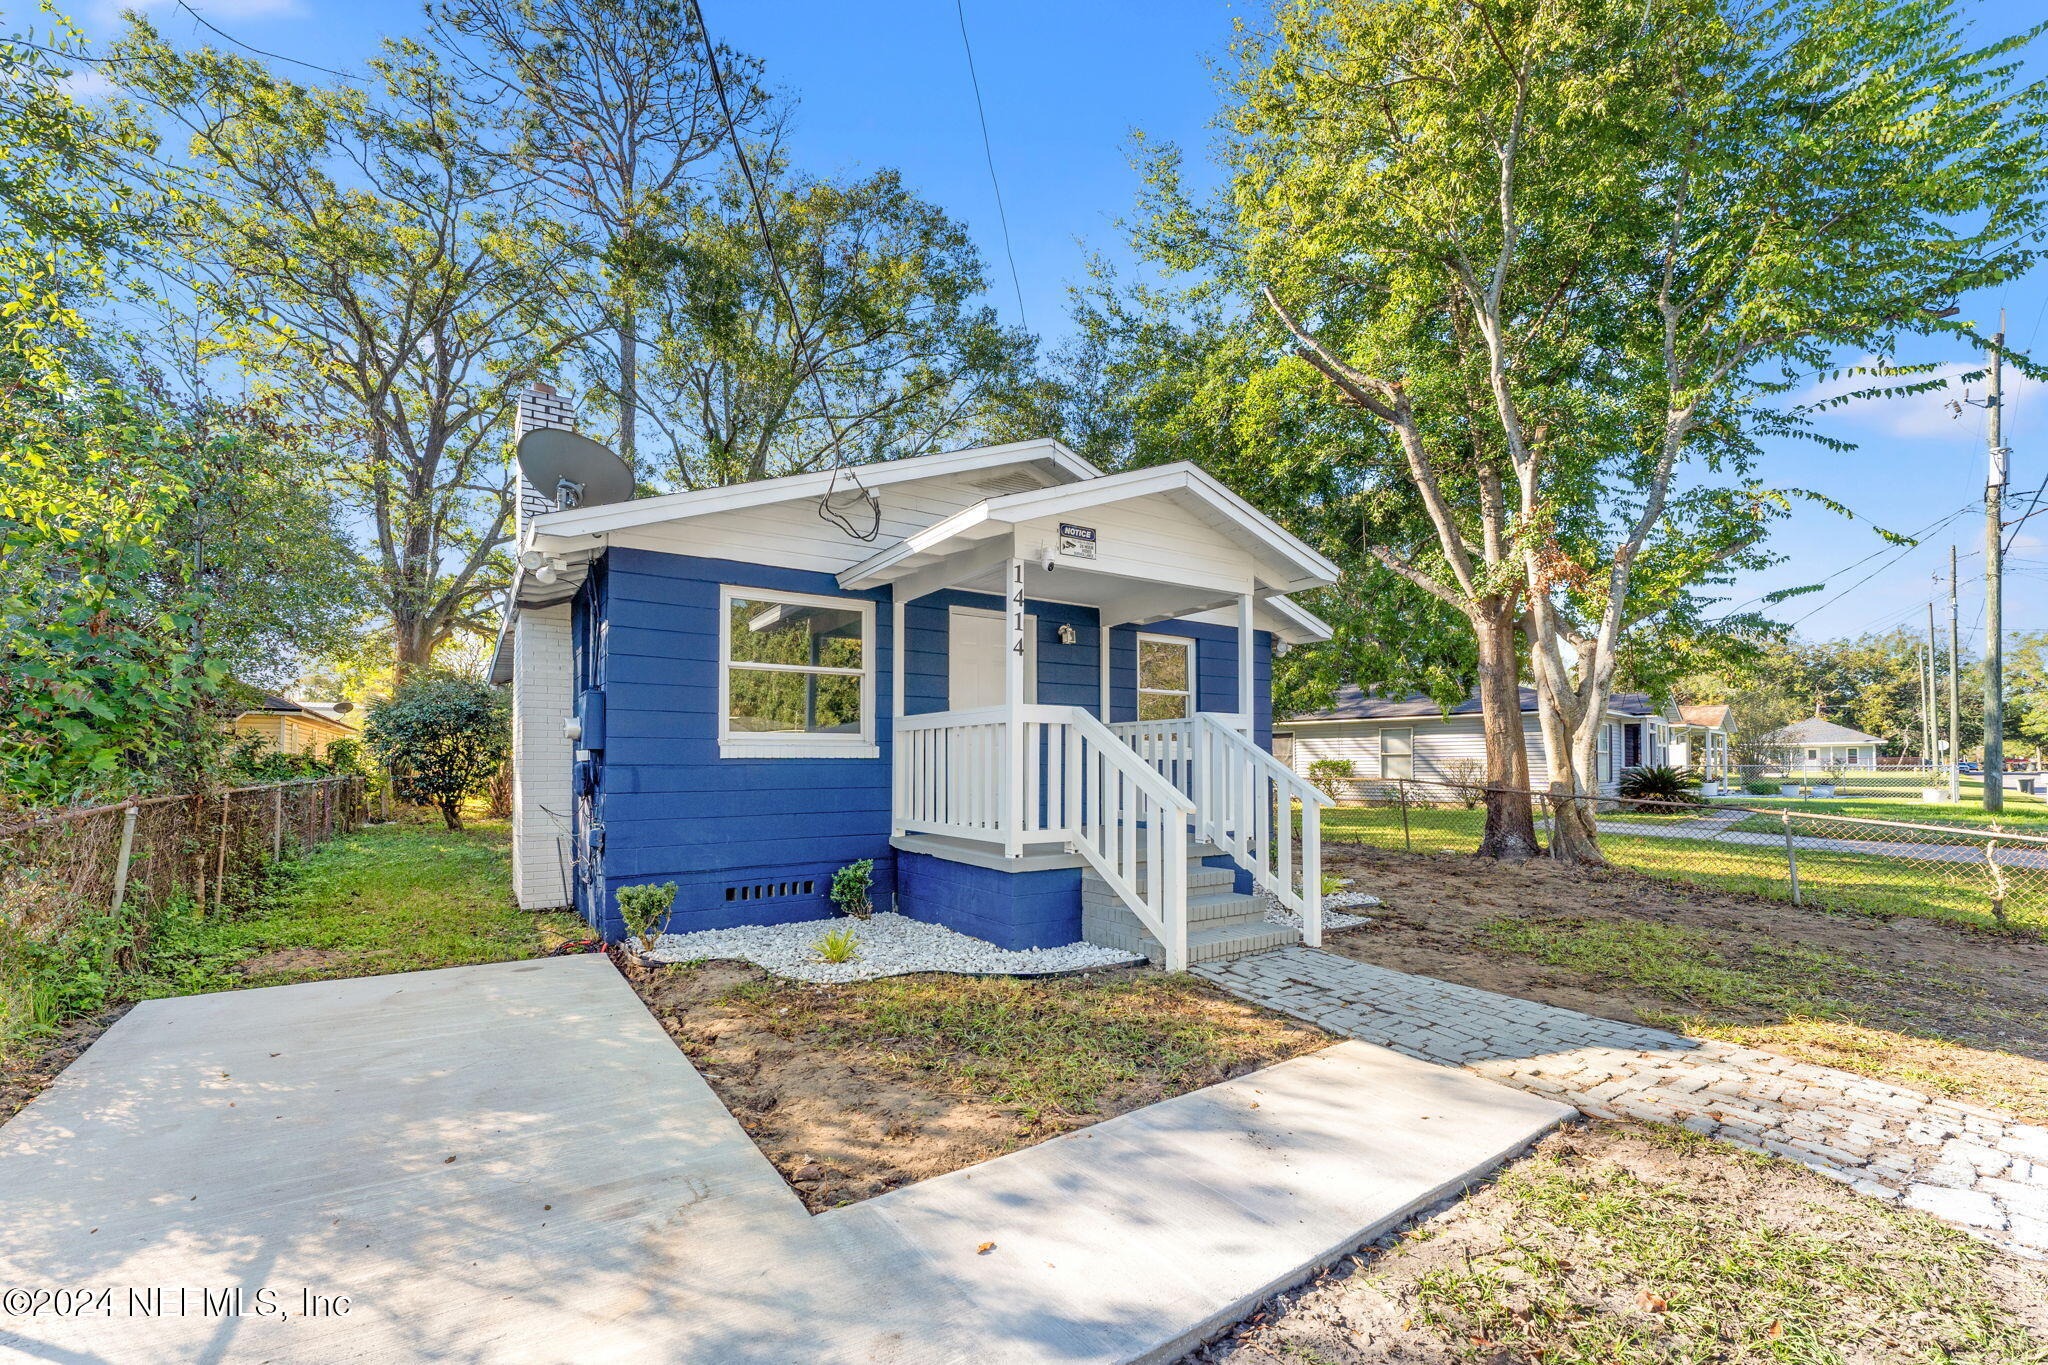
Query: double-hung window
[[1166, 677], [1397, 753], [796, 675]]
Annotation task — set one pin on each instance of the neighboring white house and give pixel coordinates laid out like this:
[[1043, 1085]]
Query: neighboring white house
[[1697, 739], [1385, 738], [1817, 744]]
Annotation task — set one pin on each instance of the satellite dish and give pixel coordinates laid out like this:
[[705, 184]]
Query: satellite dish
[[573, 470]]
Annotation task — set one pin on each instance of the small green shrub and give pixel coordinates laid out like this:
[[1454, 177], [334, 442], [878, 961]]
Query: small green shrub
[[442, 740], [853, 887], [1760, 787], [1332, 884], [837, 945], [643, 908], [1656, 786], [1327, 774]]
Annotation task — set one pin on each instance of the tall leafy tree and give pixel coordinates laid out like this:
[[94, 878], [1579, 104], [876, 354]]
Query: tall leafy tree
[[853, 332], [611, 105], [370, 273], [1156, 374], [1567, 251]]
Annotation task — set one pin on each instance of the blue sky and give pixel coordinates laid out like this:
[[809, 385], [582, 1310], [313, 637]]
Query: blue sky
[[885, 84]]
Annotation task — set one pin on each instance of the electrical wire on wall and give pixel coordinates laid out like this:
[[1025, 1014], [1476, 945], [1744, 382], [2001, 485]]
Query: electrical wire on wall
[[826, 508]]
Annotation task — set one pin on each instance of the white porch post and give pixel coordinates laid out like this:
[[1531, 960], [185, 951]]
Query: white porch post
[[896, 652], [1013, 703], [1102, 653], [1244, 662], [898, 763]]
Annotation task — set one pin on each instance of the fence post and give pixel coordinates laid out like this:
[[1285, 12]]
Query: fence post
[[121, 863], [276, 824], [1791, 855], [1401, 795], [220, 857]]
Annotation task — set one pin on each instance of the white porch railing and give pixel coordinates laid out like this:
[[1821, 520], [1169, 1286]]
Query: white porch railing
[[957, 773], [1244, 801]]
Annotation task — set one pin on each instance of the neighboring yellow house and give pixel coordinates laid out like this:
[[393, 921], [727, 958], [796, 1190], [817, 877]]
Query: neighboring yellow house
[[292, 727]]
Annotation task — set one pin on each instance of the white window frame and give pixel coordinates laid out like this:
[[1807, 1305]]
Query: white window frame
[[1387, 732], [1182, 642], [753, 744], [1605, 762]]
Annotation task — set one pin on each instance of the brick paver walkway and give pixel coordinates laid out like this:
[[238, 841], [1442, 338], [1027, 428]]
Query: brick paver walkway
[[1970, 1166]]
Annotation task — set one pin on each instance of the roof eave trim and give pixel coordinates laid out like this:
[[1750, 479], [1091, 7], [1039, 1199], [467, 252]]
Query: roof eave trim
[[762, 492]]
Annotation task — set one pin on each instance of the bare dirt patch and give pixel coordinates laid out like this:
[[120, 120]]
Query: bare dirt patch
[[298, 964], [1631, 1245], [854, 1090], [1900, 999]]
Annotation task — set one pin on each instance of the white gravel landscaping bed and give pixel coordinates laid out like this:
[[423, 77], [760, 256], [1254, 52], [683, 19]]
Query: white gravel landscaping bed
[[890, 945], [1333, 908]]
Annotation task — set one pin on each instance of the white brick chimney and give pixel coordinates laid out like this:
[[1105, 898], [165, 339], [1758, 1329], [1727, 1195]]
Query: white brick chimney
[[539, 408], [543, 792]]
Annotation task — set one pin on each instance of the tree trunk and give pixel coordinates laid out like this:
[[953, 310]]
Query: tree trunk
[[451, 815], [629, 383], [1574, 827], [1510, 820]]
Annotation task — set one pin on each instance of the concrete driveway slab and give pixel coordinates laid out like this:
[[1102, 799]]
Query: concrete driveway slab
[[514, 1163]]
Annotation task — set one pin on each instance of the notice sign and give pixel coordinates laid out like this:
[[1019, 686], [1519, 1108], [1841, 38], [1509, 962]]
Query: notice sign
[[1077, 542]]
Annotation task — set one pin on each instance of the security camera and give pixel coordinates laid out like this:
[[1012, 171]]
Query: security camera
[[1048, 559]]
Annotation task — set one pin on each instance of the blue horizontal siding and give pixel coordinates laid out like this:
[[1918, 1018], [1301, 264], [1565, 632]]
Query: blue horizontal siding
[[673, 810], [1009, 909]]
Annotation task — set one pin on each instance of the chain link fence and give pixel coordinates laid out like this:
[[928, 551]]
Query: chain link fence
[[1986, 875], [1903, 782], [91, 880]]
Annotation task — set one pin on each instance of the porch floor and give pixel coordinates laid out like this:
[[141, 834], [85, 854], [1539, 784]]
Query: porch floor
[[514, 1163]]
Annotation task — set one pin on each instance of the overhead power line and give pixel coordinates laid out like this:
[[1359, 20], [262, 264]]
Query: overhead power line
[[1903, 551], [739, 147], [219, 32], [988, 151]]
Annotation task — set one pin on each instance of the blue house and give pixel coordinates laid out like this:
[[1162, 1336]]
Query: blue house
[[1035, 695]]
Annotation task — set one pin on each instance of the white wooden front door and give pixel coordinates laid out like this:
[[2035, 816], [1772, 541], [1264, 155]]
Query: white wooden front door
[[974, 658]]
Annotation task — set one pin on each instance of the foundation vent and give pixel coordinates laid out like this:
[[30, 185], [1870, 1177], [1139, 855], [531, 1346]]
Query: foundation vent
[[768, 891]]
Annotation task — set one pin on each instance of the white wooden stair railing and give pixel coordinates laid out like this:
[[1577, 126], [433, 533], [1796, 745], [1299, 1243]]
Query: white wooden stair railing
[[1244, 803], [1083, 787]]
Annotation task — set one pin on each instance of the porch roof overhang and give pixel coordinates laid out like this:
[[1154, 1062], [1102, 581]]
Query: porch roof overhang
[[968, 549]]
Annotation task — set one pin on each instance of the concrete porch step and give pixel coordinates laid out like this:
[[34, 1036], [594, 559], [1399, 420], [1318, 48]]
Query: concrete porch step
[[1200, 879], [1206, 907], [1210, 943]]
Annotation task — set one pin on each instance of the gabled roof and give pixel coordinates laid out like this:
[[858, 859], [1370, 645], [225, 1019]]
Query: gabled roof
[[1352, 703], [1298, 566], [271, 704], [1819, 730], [1708, 717], [1055, 459]]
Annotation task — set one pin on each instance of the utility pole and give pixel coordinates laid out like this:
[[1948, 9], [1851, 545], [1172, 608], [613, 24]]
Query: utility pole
[[1994, 572], [1933, 693], [1955, 691]]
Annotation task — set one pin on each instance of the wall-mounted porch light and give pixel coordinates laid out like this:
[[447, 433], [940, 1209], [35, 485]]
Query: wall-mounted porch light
[[1068, 635]]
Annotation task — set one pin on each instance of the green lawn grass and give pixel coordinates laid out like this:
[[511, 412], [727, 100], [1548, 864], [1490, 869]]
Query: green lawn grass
[[2022, 814], [1706, 1254], [1958, 893], [389, 898]]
